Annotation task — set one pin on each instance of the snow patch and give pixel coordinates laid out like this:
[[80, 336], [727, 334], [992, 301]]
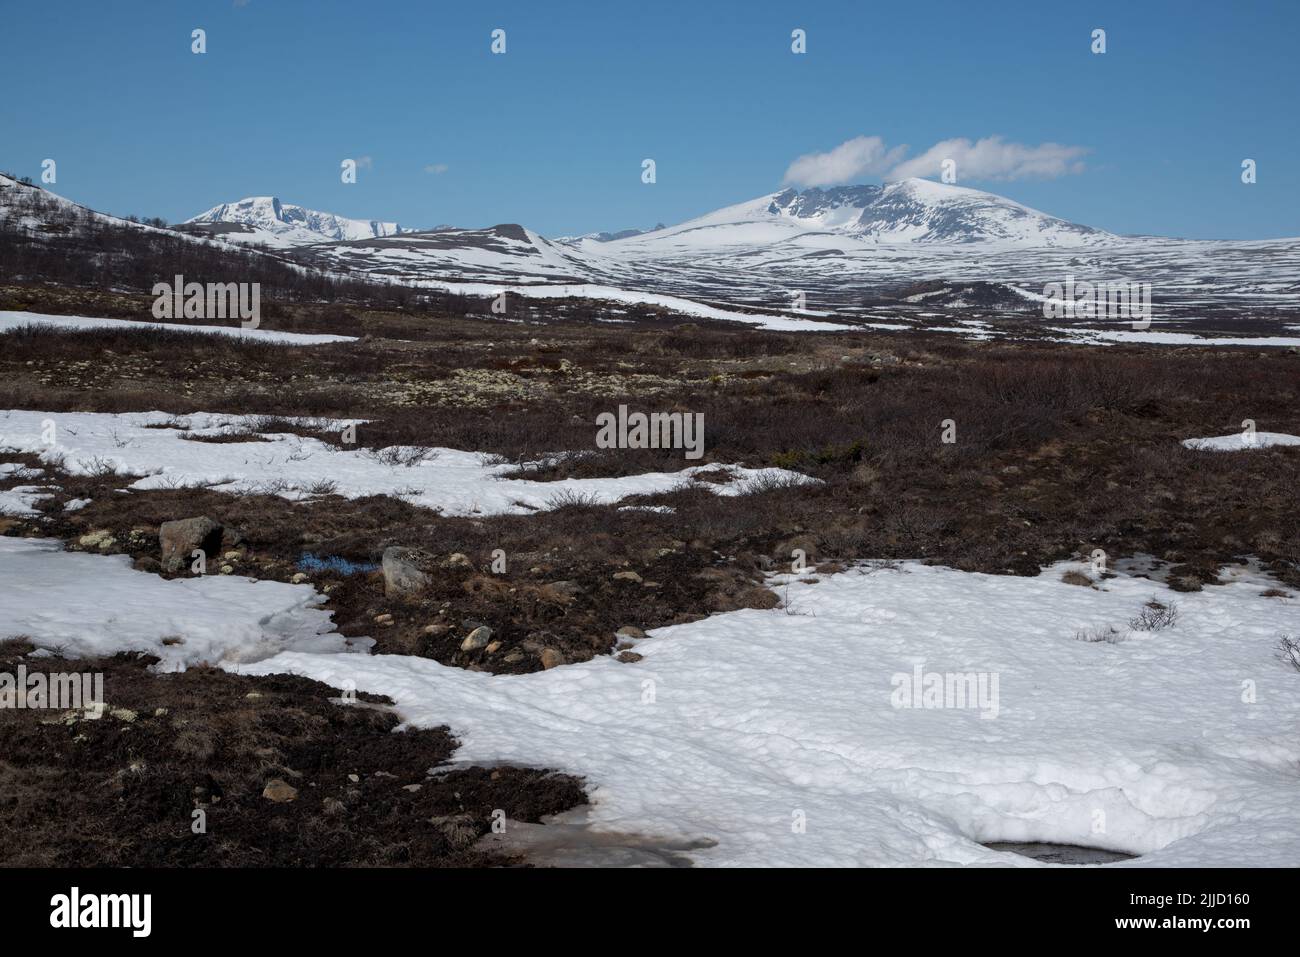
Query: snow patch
[[10, 321], [771, 735], [87, 605], [153, 445], [1241, 441]]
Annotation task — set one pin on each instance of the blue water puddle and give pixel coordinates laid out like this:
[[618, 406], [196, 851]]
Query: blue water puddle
[[310, 562]]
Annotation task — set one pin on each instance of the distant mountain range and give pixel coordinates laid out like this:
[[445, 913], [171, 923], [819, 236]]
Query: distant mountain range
[[850, 254], [910, 211]]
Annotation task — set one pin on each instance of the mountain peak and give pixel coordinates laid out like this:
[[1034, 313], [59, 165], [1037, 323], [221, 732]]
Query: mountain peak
[[279, 223]]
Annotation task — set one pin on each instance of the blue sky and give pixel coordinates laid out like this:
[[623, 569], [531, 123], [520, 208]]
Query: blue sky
[[552, 133]]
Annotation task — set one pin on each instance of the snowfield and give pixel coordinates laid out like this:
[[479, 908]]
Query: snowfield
[[16, 320], [1178, 745], [781, 737], [152, 445]]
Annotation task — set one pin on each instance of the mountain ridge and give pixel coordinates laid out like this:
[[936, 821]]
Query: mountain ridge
[[291, 224]]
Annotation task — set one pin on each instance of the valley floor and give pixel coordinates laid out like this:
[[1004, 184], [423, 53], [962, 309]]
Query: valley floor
[[836, 639]]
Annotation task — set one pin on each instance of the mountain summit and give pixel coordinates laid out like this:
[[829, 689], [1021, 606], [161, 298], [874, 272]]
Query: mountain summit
[[287, 224], [907, 211]]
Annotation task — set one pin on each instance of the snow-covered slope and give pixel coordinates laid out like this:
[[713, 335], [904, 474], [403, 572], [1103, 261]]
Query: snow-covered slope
[[34, 207], [906, 212], [287, 224], [505, 253]]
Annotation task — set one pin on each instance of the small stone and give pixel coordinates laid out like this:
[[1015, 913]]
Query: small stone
[[384, 619], [299, 578], [279, 791], [253, 695], [552, 658], [457, 560], [354, 778], [123, 714], [231, 556], [630, 631], [227, 569], [412, 787], [476, 639], [627, 576], [436, 631], [630, 657], [493, 648]]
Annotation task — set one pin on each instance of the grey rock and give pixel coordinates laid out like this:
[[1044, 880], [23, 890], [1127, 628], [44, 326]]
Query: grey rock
[[405, 570], [179, 539]]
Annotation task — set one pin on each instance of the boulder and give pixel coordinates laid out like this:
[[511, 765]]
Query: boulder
[[179, 539], [405, 570]]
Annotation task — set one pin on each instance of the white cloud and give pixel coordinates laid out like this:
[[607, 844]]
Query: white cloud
[[437, 169], [988, 158], [860, 156], [994, 158]]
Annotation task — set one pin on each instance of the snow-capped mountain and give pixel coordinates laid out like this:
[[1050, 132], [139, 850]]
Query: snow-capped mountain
[[920, 210], [271, 221], [910, 211], [857, 253]]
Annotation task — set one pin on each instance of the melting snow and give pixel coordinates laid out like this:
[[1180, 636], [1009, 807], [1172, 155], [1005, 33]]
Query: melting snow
[[14, 320], [151, 444], [85, 605], [1178, 745], [772, 737], [1241, 441]]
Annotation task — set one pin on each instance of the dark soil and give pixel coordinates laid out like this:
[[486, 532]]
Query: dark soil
[[122, 790]]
